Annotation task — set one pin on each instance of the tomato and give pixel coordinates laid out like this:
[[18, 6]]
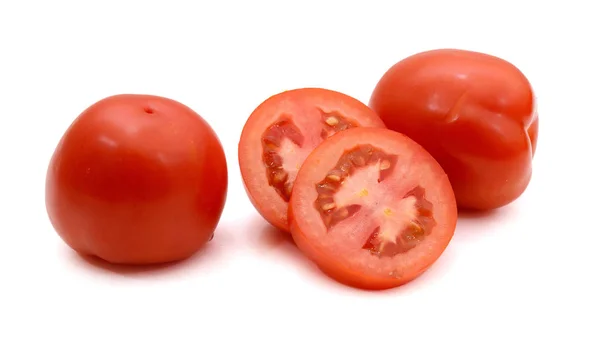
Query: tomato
[[280, 134], [475, 113], [137, 179], [372, 208]]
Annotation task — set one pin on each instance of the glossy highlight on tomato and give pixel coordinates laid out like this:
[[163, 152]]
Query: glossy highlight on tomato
[[372, 208], [137, 179], [279, 135], [475, 113]]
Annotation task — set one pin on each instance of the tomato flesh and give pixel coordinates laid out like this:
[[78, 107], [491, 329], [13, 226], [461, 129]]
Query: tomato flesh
[[475, 113], [372, 208], [282, 132], [137, 179]]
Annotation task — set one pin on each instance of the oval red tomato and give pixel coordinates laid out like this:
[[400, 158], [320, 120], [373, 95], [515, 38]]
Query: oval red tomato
[[475, 113], [137, 179], [372, 208], [280, 134]]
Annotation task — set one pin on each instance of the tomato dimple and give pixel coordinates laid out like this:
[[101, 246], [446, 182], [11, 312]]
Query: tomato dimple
[[399, 222], [285, 147]]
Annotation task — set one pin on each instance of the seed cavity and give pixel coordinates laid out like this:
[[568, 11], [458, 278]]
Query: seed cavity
[[271, 142], [334, 122], [287, 189], [284, 128], [279, 176], [415, 230]]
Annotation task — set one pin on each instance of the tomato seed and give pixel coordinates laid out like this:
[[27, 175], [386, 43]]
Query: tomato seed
[[333, 177], [331, 121], [328, 206]]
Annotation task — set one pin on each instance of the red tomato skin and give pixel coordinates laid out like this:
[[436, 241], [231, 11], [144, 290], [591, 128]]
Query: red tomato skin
[[137, 179], [475, 113]]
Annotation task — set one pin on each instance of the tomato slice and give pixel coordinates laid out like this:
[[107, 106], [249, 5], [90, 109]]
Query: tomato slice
[[372, 208], [280, 134]]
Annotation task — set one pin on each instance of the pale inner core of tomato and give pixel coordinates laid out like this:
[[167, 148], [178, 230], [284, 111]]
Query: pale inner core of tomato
[[285, 147], [399, 222]]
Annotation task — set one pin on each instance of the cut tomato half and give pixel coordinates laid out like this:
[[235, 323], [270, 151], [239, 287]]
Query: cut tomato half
[[280, 134], [372, 208]]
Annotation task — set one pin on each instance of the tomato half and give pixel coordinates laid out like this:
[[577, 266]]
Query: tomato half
[[137, 179], [475, 113], [280, 134], [372, 208]]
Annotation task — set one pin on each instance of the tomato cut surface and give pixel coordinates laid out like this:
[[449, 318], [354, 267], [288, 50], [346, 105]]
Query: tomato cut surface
[[372, 208], [474, 112], [280, 134]]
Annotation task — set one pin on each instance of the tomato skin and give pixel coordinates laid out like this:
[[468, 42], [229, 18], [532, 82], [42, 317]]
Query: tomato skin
[[298, 103], [475, 113], [310, 235], [137, 179]]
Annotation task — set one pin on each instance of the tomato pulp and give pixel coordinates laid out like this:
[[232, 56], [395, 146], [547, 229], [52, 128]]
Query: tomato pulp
[[475, 113], [372, 208], [137, 179], [280, 134]]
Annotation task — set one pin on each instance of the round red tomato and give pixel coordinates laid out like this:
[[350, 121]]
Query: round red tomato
[[137, 179], [280, 134], [475, 113], [372, 208]]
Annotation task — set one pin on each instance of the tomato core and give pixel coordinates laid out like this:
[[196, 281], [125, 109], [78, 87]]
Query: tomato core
[[402, 223]]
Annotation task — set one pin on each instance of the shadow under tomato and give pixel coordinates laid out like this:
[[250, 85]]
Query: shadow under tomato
[[477, 221], [278, 244], [477, 214], [271, 239], [211, 249], [126, 269]]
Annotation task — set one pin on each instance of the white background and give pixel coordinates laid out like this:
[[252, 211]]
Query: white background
[[529, 269]]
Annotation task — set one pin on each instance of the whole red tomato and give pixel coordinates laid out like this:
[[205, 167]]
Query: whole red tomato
[[475, 113], [137, 179]]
